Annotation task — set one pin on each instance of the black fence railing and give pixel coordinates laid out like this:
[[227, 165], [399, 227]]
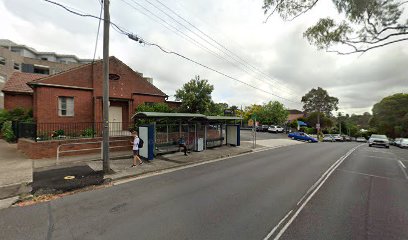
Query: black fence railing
[[59, 131]]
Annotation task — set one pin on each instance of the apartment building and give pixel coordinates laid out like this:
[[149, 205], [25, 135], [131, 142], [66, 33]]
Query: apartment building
[[21, 58]]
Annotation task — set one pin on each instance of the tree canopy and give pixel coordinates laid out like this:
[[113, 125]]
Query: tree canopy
[[390, 115], [195, 96], [272, 112], [319, 101], [365, 24], [155, 107]]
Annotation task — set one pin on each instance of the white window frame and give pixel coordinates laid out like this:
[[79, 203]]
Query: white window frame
[[66, 106], [2, 79], [1, 94]]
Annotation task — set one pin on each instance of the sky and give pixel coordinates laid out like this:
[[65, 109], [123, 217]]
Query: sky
[[230, 36]]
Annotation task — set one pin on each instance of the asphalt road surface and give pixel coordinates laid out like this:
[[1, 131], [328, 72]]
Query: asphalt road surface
[[246, 135], [307, 191]]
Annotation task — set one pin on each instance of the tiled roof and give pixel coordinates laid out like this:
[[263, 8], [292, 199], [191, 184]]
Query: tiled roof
[[18, 82]]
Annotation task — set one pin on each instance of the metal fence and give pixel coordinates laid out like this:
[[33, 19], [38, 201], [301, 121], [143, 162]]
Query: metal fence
[[60, 131]]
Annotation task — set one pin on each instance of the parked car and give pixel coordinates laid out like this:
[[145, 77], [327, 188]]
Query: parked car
[[338, 138], [258, 128], [301, 136], [404, 143], [328, 138], [361, 139], [275, 129], [397, 142], [346, 138], [264, 128], [378, 140]]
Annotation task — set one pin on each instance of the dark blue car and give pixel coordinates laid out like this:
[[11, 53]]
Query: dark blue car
[[301, 136]]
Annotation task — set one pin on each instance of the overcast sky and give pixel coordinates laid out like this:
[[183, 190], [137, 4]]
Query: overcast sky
[[272, 56]]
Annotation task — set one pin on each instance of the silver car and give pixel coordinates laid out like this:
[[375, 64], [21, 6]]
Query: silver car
[[403, 143], [328, 138], [378, 140]]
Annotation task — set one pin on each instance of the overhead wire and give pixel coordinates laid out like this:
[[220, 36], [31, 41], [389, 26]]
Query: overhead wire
[[142, 41], [229, 52], [195, 42], [97, 32]]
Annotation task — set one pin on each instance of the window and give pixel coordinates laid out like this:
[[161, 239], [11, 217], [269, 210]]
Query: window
[[16, 66], [66, 106], [1, 94], [2, 79], [2, 61], [44, 58]]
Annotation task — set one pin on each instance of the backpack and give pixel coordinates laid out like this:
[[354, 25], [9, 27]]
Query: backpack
[[140, 145]]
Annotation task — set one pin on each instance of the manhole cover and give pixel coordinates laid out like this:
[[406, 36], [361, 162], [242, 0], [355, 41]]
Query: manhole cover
[[69, 177]]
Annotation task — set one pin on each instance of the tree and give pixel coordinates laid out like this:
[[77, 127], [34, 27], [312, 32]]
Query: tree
[[319, 101], [273, 113], [216, 109], [155, 107], [366, 24], [325, 122], [390, 115], [195, 96]]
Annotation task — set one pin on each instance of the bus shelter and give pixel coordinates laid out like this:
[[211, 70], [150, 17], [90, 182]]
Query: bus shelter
[[199, 132]]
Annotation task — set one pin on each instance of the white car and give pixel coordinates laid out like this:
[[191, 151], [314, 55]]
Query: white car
[[379, 140], [361, 139], [275, 129], [403, 143]]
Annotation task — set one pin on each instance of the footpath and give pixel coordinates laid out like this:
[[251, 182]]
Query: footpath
[[21, 177]]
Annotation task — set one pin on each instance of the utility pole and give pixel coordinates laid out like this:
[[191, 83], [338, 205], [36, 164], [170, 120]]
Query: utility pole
[[105, 145]]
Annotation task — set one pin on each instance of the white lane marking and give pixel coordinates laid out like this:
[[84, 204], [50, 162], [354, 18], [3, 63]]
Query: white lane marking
[[365, 174], [276, 227], [402, 166], [332, 168]]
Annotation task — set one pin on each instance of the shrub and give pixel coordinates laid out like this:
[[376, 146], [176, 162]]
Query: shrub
[[7, 131], [88, 132], [58, 133]]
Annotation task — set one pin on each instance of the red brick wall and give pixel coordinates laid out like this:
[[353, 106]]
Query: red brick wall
[[46, 105], [12, 101], [48, 149]]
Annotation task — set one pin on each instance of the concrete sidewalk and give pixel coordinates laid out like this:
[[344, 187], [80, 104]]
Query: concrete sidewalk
[[16, 171]]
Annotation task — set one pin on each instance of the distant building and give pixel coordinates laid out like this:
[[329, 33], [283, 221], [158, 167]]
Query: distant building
[[295, 114], [75, 95], [21, 58]]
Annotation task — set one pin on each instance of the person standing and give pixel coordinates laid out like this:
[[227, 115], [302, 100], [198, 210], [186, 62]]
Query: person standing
[[135, 142]]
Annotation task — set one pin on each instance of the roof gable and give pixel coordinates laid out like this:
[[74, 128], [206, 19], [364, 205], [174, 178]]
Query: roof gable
[[18, 82], [82, 76]]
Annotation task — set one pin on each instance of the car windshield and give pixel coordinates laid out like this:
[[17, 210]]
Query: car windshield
[[379, 136]]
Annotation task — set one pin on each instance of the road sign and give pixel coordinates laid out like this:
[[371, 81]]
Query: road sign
[[250, 122], [317, 125]]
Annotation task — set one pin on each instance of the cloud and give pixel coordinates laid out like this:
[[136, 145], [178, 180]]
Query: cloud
[[273, 56]]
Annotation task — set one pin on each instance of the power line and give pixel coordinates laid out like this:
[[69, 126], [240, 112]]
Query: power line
[[97, 32], [235, 56], [234, 59], [142, 41]]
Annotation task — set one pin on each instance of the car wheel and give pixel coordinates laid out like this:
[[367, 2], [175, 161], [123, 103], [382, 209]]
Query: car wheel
[[387, 146], [309, 141], [369, 145], [293, 138]]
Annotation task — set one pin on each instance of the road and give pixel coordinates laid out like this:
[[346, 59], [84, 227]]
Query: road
[[306, 191], [246, 135]]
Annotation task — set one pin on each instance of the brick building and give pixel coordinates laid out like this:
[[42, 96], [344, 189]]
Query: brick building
[[75, 95], [295, 114], [21, 58]]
